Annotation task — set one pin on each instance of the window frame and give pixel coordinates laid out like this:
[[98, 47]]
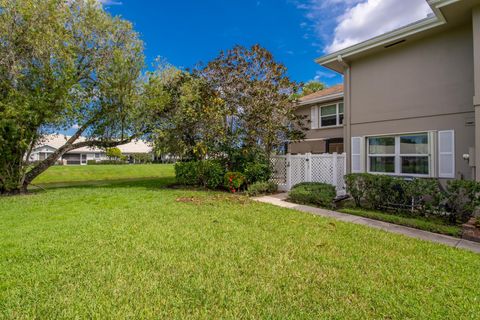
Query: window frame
[[337, 114], [398, 155]]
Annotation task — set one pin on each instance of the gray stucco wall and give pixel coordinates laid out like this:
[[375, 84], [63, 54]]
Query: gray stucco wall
[[418, 86]]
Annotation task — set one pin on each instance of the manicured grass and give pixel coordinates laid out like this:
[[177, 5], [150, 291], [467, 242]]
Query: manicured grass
[[140, 250], [431, 224], [63, 175]]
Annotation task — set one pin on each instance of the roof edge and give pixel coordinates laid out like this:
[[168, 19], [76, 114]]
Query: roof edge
[[334, 96]]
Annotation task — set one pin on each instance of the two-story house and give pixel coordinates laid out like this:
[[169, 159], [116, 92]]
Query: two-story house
[[410, 103]]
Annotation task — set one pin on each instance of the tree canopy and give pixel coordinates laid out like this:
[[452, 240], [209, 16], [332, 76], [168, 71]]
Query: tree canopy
[[312, 87], [65, 64]]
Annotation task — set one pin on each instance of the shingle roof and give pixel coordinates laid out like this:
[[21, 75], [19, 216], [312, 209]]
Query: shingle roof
[[336, 89], [58, 140]]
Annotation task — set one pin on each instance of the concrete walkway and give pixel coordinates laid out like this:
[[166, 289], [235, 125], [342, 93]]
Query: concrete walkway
[[279, 200]]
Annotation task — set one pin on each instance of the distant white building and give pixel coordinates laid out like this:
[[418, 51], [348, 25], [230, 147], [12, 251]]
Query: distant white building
[[81, 156]]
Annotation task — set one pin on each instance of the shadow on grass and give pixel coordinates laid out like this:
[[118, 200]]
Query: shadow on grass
[[154, 183]]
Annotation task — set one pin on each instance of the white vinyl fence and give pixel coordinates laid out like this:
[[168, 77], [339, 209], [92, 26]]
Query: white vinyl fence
[[290, 170]]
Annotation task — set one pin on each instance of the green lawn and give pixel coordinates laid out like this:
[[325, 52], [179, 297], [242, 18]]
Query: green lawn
[[68, 175], [139, 250], [431, 224]]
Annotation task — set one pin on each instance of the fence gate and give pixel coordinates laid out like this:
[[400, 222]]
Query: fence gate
[[290, 170]]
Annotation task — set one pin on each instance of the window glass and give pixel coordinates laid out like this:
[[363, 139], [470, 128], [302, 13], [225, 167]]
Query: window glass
[[340, 118], [329, 110], [414, 144], [382, 164], [381, 145], [415, 165], [340, 108], [329, 121]]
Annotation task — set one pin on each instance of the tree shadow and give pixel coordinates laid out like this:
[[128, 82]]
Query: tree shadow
[[154, 183]]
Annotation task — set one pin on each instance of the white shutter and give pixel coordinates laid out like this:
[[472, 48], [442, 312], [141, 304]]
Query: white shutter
[[446, 154], [314, 117], [357, 163]]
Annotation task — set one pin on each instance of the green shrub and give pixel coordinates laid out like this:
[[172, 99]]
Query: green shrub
[[418, 196], [186, 173], [261, 187], [91, 162], [211, 174], [206, 173], [142, 158], [462, 199], [319, 194], [356, 186], [257, 172], [233, 181], [425, 195]]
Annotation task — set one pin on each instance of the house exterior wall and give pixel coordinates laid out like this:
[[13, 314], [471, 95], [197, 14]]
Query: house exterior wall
[[417, 86], [476, 99], [315, 139]]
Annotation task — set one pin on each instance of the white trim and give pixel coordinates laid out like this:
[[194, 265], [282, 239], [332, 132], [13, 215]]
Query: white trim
[[397, 155], [337, 114]]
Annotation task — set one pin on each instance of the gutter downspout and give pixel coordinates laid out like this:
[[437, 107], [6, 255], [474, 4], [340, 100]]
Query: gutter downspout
[[476, 98], [347, 128]]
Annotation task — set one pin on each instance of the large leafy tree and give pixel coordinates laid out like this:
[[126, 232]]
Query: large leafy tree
[[257, 93], [64, 64], [193, 125]]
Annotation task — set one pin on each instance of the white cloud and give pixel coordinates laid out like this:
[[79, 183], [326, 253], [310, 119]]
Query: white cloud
[[375, 17], [342, 23], [319, 75], [75, 127]]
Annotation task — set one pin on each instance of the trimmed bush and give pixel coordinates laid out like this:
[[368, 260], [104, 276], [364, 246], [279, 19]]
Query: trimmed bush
[[319, 194], [356, 186], [211, 174], [233, 181], [257, 172], [186, 173], [418, 196], [462, 199], [259, 188], [206, 173]]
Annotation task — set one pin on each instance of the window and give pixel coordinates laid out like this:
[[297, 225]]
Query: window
[[97, 155], [400, 155], [331, 115]]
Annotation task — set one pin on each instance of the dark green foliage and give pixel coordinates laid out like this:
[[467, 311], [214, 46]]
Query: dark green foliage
[[186, 173], [261, 187], [211, 174], [257, 172], [418, 196], [462, 199], [319, 194], [356, 185], [234, 181], [206, 173]]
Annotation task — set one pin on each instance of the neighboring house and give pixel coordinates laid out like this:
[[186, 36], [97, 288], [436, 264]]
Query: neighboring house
[[324, 110], [83, 155], [411, 99]]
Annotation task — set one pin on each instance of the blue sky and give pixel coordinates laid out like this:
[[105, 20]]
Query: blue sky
[[296, 31]]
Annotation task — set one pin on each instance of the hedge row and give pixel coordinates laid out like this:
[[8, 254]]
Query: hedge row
[[456, 202], [212, 174]]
